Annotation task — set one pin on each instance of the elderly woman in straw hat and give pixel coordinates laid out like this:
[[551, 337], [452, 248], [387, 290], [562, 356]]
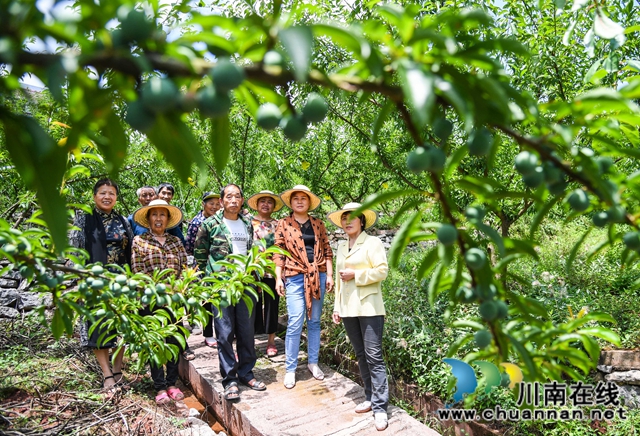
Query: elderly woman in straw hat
[[361, 265], [158, 250], [302, 275], [264, 228]]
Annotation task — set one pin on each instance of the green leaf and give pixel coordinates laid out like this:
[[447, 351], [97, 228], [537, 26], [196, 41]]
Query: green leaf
[[566, 39], [602, 333], [220, 142], [575, 250], [429, 261], [114, 143], [589, 317], [344, 38], [380, 119], [417, 86], [440, 282], [540, 216], [77, 169], [467, 323], [526, 357], [634, 63], [174, 139], [375, 199], [493, 235], [453, 349], [454, 161], [57, 324], [604, 27], [402, 238], [41, 164], [298, 42]]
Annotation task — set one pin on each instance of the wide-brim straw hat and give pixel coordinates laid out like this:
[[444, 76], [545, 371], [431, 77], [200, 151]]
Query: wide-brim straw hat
[[315, 200], [252, 202], [175, 214], [369, 215]]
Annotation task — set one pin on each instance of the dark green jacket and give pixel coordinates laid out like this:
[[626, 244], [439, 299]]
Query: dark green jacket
[[213, 242]]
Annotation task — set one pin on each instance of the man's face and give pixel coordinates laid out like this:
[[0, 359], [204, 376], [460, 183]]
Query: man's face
[[146, 196], [232, 200], [166, 195]]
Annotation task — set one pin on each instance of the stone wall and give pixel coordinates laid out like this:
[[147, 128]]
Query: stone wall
[[16, 298], [622, 367]]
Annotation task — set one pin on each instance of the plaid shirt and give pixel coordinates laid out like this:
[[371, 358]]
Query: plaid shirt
[[148, 255]]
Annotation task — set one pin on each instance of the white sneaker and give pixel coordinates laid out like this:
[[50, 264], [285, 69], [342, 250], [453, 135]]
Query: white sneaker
[[363, 407], [380, 420], [196, 330], [290, 380], [316, 371]]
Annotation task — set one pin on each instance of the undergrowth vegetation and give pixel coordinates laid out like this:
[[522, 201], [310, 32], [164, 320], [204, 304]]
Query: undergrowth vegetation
[[417, 336], [50, 387]]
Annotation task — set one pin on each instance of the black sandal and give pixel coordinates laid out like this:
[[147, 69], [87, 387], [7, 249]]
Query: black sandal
[[257, 385], [120, 381], [188, 354], [231, 392], [111, 390]]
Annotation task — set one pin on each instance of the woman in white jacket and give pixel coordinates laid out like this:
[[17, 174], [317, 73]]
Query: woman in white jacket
[[361, 267]]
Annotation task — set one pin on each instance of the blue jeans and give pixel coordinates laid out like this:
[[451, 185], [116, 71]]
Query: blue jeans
[[297, 310], [365, 334]]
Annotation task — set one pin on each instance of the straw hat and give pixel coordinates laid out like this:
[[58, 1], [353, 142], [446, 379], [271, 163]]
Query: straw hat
[[140, 215], [315, 200], [370, 216], [253, 200]]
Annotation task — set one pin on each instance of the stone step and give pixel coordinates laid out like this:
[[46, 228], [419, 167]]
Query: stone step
[[312, 408]]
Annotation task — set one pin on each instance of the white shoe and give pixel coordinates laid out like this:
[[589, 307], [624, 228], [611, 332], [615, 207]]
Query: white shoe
[[290, 380], [363, 407], [380, 420], [316, 371]]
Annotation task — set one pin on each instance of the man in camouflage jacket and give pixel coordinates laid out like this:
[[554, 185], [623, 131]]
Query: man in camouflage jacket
[[224, 233]]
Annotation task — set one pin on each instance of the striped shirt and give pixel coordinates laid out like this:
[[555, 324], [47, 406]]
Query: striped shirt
[[148, 255]]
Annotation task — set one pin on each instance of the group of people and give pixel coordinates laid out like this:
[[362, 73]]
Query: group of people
[[151, 238]]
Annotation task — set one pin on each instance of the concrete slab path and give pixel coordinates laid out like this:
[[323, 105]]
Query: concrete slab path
[[312, 407]]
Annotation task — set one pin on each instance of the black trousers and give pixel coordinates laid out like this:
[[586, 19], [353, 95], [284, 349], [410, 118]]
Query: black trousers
[[267, 309], [162, 380], [236, 323], [207, 331]]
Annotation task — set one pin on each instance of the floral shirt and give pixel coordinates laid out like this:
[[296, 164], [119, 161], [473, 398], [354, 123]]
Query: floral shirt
[[116, 237], [264, 230], [192, 232], [148, 255], [115, 232]]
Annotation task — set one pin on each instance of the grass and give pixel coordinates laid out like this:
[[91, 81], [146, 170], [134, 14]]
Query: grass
[[54, 387]]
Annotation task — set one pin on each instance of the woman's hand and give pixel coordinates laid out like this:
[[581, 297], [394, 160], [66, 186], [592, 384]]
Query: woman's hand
[[336, 318], [280, 289], [347, 274], [329, 284]]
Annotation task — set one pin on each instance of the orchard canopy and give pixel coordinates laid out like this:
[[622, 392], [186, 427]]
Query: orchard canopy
[[477, 112]]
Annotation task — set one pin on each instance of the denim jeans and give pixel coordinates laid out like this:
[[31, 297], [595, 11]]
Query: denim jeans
[[365, 334], [297, 311], [236, 323]]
